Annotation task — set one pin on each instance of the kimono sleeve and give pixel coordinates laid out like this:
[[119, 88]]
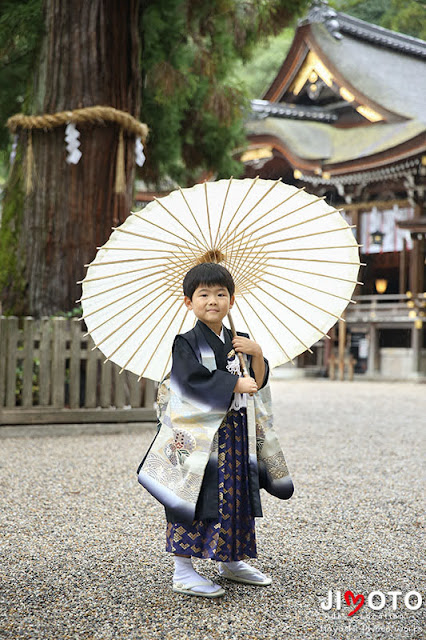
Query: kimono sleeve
[[194, 382], [251, 372], [266, 376]]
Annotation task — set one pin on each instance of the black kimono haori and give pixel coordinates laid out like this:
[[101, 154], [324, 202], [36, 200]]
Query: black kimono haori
[[204, 463]]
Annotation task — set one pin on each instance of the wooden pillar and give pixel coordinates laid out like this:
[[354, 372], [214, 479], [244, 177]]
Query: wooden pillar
[[328, 348], [331, 358], [373, 350], [416, 286], [351, 367], [416, 347], [414, 268], [320, 356], [416, 259], [342, 348], [356, 220], [403, 268], [421, 265]]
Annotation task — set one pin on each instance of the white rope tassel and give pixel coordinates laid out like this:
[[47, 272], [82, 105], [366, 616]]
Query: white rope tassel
[[120, 177]]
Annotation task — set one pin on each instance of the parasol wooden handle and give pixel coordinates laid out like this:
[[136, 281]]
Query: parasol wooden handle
[[241, 358]]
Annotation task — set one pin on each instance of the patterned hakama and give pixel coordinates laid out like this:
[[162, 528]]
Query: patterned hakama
[[232, 536]]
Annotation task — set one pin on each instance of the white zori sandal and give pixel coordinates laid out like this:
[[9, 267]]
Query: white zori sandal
[[242, 572], [202, 589]]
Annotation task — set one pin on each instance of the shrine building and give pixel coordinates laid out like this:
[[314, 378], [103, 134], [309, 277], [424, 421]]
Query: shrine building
[[345, 117]]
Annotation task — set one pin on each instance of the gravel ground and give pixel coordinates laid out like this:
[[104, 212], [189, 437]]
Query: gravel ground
[[82, 543]]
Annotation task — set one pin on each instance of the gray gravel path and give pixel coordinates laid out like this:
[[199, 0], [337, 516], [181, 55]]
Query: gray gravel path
[[82, 542]]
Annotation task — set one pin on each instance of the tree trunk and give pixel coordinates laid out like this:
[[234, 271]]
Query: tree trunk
[[90, 57]]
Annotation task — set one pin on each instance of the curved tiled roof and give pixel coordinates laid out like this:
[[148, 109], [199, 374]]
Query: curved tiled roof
[[330, 145], [339, 24], [393, 79]]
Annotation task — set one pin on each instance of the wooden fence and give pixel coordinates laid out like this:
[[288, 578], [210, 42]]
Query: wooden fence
[[49, 374]]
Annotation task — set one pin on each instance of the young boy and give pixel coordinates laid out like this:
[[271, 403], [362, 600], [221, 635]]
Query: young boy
[[204, 467]]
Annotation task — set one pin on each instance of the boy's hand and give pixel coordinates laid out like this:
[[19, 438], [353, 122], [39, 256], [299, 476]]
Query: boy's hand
[[245, 345], [246, 385]]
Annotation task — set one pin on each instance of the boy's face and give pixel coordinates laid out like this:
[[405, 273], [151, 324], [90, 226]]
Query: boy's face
[[210, 305]]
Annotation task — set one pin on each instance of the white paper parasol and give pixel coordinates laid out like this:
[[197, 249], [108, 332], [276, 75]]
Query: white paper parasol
[[293, 257]]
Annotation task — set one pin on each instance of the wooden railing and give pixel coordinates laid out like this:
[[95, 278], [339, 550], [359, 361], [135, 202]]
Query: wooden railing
[[386, 308], [49, 373]]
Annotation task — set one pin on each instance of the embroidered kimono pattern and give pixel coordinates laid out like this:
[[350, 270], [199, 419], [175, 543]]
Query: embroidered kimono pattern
[[232, 535], [192, 404]]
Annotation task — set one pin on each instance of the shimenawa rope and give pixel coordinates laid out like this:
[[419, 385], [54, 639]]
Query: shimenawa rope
[[88, 115]]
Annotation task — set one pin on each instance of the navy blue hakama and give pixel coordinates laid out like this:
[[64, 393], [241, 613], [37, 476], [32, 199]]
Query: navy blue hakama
[[231, 536]]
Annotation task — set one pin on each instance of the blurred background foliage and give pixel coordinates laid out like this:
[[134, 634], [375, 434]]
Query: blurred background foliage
[[193, 99], [21, 31], [405, 16]]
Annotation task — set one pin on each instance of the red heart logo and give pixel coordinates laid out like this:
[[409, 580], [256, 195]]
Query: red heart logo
[[351, 597]]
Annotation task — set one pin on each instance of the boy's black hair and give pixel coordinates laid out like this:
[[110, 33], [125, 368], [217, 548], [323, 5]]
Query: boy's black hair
[[208, 273]]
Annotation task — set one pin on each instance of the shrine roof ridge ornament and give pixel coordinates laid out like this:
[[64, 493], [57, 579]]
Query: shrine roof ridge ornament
[[320, 11], [265, 108], [340, 23]]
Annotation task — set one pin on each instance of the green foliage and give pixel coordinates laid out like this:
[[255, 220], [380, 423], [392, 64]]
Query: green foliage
[[368, 10], [35, 381], [76, 312], [267, 57], [21, 31], [405, 16], [11, 268], [191, 101]]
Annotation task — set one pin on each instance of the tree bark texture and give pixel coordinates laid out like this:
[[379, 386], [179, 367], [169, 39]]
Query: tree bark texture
[[90, 57]]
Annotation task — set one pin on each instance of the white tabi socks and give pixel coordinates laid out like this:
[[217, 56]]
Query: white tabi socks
[[185, 574], [240, 571]]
